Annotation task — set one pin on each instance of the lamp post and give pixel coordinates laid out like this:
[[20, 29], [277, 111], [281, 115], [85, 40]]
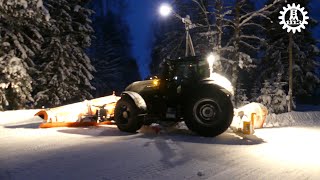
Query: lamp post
[[290, 106], [166, 10]]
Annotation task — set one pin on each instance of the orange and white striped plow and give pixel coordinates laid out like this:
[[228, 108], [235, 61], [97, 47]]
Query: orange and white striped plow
[[78, 114]]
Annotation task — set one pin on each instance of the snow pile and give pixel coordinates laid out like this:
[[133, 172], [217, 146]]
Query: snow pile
[[293, 119], [18, 117], [155, 129]]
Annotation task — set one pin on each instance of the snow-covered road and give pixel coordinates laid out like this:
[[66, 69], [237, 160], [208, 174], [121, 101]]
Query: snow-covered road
[[27, 152]]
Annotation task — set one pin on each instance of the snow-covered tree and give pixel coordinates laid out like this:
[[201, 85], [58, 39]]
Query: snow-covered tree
[[279, 99], [20, 41], [273, 95], [231, 30], [266, 94], [254, 92], [305, 52], [241, 98], [245, 39], [65, 69]]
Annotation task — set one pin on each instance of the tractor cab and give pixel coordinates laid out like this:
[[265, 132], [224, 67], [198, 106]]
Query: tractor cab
[[186, 69]]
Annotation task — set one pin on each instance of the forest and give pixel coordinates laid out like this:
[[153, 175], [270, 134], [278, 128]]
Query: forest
[[58, 52]]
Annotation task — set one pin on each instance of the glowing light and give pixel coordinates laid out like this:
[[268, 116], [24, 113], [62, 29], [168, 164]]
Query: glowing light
[[165, 10], [222, 81], [211, 58], [156, 82]]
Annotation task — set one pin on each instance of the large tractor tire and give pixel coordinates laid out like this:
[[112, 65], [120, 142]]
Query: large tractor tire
[[126, 115], [209, 113]]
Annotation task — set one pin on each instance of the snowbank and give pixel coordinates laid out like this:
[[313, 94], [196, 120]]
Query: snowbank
[[18, 117], [294, 118], [308, 118]]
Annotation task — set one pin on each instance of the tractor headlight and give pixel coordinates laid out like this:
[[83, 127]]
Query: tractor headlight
[[156, 82]]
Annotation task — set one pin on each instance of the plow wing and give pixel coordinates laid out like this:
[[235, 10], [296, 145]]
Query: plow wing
[[249, 117], [86, 113]]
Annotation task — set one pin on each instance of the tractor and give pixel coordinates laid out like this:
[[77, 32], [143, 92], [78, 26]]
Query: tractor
[[185, 90]]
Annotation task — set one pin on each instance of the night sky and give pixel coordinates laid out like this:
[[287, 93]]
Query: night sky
[[141, 15]]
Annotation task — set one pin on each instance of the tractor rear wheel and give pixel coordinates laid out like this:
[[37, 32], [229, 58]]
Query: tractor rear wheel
[[126, 115], [209, 113]]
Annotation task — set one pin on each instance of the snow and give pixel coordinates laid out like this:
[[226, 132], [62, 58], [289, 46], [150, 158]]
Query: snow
[[17, 117], [3, 85], [24, 3], [6, 44], [39, 4], [294, 118], [77, 8], [106, 153], [315, 49]]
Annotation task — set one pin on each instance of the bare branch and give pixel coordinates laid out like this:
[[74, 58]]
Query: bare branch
[[252, 37], [247, 17], [249, 46], [254, 24]]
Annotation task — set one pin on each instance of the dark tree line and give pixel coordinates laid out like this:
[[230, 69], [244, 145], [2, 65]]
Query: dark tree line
[[111, 49]]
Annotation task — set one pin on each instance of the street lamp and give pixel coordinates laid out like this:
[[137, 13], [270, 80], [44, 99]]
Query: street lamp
[[166, 10]]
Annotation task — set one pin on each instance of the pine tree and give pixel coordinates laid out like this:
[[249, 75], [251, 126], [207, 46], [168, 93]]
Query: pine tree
[[279, 99], [110, 52], [305, 52], [20, 41], [65, 69], [266, 94], [254, 92], [273, 95], [241, 97]]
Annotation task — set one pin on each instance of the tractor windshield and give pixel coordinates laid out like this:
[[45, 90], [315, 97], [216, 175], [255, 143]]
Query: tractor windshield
[[189, 68]]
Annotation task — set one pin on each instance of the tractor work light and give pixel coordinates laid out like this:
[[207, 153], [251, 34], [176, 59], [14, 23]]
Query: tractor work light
[[211, 58]]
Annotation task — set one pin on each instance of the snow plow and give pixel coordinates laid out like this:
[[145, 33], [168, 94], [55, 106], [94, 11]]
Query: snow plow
[[87, 113], [249, 117]]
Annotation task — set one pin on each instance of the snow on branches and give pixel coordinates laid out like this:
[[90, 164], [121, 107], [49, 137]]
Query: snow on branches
[[273, 96], [20, 41], [65, 69], [42, 51]]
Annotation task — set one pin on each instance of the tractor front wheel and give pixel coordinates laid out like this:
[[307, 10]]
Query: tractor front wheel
[[126, 115]]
